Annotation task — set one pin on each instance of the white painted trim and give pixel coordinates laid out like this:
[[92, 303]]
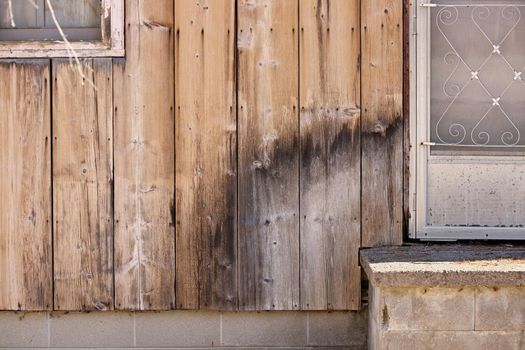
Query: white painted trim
[[419, 115], [412, 182], [456, 232]]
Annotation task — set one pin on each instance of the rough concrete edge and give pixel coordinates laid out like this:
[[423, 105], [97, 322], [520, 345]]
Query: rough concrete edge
[[438, 278]]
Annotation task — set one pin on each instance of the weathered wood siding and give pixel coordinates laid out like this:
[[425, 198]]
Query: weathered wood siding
[[330, 154], [268, 154], [26, 279], [236, 159], [206, 155], [82, 129], [144, 159], [382, 122]]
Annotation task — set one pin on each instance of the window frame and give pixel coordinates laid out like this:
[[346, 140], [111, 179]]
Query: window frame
[[419, 92], [111, 45]]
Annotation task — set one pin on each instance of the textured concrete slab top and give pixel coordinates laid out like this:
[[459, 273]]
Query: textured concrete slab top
[[445, 265]]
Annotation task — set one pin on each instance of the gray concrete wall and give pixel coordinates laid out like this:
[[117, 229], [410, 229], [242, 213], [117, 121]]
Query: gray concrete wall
[[184, 329], [477, 318]]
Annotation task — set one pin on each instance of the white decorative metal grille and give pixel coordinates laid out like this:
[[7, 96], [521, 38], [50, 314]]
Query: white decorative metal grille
[[478, 74]]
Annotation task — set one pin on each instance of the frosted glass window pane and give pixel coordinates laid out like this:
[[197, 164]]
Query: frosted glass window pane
[[25, 15], [74, 13], [80, 19], [478, 73]]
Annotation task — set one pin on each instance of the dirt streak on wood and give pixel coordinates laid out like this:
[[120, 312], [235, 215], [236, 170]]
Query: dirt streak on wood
[[206, 149], [83, 185], [330, 154], [268, 155], [25, 200], [382, 122], [144, 160]]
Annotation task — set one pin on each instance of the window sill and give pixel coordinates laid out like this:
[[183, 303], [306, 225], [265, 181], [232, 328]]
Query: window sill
[[445, 265], [54, 49]]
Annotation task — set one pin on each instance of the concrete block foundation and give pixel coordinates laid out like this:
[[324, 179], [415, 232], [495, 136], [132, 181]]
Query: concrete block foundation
[[445, 318], [446, 298], [185, 330]]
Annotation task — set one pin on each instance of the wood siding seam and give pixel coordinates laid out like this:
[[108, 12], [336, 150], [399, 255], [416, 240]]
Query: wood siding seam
[[299, 196], [113, 112], [406, 117], [237, 72], [173, 204], [51, 87]]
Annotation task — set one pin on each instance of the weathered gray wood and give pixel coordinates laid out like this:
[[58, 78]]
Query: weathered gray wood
[[144, 160], [206, 155], [330, 154], [83, 185], [268, 155], [25, 190], [382, 122]]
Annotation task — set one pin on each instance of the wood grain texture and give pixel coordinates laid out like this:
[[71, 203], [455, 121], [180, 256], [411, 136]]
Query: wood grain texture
[[330, 154], [206, 169], [268, 155], [25, 200], [83, 185], [144, 160], [382, 122]]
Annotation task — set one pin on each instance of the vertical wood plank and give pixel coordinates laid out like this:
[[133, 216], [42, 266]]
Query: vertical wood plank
[[206, 169], [83, 185], [330, 154], [144, 160], [382, 122], [268, 155], [25, 200]]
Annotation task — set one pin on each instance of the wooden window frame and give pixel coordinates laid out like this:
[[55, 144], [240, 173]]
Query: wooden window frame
[[111, 45]]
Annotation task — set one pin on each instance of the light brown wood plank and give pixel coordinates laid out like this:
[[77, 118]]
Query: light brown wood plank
[[25, 200], [144, 160], [206, 174], [382, 122], [268, 154], [83, 185], [330, 154]]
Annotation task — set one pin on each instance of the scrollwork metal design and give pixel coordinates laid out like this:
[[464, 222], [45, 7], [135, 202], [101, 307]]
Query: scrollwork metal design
[[446, 17]]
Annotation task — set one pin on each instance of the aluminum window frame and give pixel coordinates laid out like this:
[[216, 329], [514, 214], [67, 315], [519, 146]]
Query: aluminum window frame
[[419, 91], [111, 45]]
